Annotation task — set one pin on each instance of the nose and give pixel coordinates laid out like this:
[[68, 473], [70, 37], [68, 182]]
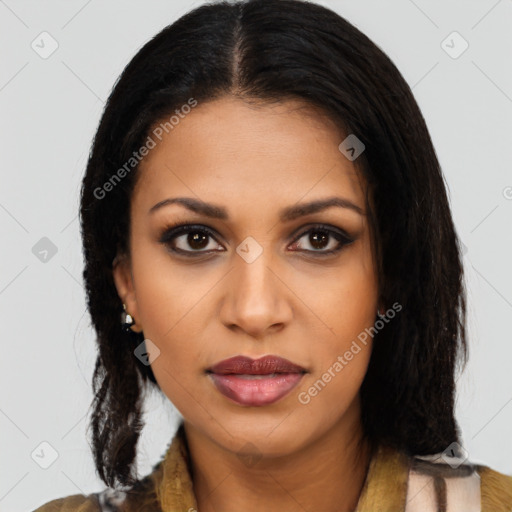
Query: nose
[[257, 301]]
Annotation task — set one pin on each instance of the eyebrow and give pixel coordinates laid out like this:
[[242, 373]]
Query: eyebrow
[[286, 214]]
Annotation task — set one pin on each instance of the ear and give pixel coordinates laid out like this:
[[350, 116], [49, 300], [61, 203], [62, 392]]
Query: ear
[[123, 279]]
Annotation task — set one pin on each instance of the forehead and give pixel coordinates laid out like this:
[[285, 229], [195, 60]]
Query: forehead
[[230, 151]]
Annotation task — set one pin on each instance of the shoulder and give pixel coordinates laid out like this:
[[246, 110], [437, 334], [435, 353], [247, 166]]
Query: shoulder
[[74, 503], [496, 489], [108, 500], [142, 497]]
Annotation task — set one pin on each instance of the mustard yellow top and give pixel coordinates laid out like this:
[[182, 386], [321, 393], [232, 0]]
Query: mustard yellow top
[[395, 483]]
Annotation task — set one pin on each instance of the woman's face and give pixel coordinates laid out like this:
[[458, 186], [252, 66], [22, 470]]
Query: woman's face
[[260, 282]]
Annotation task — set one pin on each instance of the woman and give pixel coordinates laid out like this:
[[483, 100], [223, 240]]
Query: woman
[[264, 208]]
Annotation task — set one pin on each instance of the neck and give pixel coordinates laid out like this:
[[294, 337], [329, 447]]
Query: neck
[[327, 474]]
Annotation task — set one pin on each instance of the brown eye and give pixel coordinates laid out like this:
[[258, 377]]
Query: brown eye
[[322, 240], [190, 239], [196, 239]]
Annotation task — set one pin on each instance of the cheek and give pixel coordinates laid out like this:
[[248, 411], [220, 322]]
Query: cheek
[[167, 302], [168, 294], [330, 393], [342, 352], [341, 355], [347, 301]]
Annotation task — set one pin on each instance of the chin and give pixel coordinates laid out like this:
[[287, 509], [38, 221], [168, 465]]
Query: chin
[[267, 435]]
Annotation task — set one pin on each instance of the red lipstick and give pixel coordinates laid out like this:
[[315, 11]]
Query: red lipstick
[[255, 382]]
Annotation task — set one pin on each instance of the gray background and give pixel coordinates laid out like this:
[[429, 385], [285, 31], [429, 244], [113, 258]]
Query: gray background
[[50, 111]]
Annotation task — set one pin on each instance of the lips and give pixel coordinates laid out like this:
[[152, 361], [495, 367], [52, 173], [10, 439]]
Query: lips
[[259, 382], [242, 365]]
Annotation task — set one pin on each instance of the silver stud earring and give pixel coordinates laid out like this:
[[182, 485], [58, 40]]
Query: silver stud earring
[[126, 320]]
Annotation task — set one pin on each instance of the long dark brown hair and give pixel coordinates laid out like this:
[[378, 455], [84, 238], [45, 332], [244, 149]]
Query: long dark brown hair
[[273, 51]]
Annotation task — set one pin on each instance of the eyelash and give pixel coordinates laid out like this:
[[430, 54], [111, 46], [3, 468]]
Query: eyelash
[[170, 232]]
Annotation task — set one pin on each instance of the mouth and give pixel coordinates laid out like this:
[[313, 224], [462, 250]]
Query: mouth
[[259, 382]]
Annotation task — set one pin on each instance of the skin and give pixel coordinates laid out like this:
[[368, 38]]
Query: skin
[[290, 301]]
